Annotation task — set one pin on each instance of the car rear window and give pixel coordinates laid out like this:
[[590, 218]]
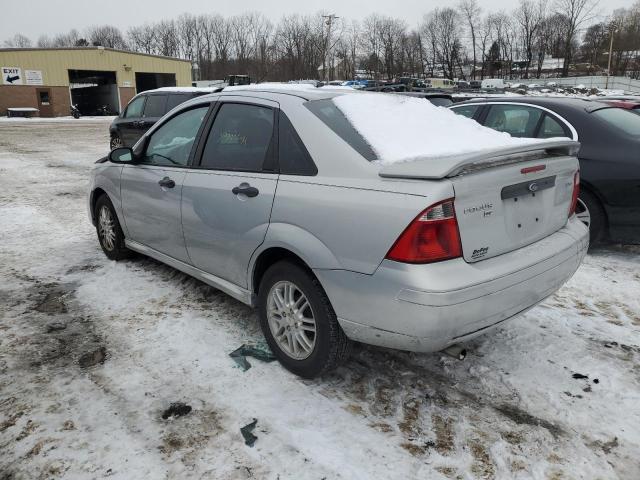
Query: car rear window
[[620, 119], [175, 100], [155, 106], [333, 118]]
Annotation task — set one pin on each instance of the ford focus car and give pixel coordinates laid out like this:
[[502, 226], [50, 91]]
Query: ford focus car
[[340, 220]]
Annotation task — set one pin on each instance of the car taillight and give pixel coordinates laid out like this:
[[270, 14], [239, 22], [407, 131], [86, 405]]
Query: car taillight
[[431, 237], [576, 192]]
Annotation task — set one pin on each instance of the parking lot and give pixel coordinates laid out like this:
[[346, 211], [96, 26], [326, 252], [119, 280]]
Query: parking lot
[[92, 352]]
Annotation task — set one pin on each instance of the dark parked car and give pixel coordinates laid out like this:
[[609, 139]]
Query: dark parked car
[[609, 201], [631, 105], [438, 99], [145, 109]]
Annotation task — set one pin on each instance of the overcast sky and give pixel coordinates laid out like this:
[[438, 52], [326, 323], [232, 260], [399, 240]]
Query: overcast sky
[[37, 17]]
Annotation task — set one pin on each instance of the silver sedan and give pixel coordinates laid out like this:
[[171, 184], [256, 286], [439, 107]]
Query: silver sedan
[[283, 201]]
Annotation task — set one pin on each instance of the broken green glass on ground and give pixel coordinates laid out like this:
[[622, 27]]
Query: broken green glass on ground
[[261, 352], [247, 433]]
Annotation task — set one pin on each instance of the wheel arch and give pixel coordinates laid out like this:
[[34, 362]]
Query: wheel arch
[[289, 242], [592, 190], [95, 195]]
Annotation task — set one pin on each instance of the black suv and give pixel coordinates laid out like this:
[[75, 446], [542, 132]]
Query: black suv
[[144, 110]]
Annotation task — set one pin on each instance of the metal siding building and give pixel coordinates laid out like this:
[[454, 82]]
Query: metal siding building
[[91, 77]]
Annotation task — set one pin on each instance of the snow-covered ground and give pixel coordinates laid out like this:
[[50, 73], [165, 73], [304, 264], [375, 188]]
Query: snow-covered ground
[[92, 352]]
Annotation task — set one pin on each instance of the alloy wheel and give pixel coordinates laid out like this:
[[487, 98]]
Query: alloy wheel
[[582, 212], [291, 320], [106, 228]]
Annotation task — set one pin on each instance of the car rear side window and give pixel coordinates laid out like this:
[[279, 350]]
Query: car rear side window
[[171, 144], [516, 120], [440, 101], [134, 109], [240, 138], [551, 128], [466, 110], [155, 106], [293, 157], [176, 99], [333, 118], [620, 119]]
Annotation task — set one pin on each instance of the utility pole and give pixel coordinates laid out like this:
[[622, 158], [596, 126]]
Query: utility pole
[[329, 22], [612, 30]]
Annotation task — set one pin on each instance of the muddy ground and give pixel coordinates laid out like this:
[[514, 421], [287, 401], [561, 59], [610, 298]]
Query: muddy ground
[[94, 353]]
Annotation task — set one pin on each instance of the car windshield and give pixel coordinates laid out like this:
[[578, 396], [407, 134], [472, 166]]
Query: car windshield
[[620, 119]]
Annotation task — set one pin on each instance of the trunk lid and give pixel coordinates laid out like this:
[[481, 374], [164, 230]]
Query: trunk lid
[[507, 198]]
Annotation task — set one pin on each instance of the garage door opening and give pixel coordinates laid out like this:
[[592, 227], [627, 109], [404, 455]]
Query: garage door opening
[[94, 92], [149, 81]]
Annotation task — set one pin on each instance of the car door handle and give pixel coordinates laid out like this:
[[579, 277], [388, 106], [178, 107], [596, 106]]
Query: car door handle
[[245, 189], [166, 182]]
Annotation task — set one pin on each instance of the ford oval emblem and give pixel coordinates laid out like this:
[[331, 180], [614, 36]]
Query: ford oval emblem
[[533, 187]]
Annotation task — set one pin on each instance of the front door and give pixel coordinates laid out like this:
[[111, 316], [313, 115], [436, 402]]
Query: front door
[[44, 102], [151, 190], [128, 125], [226, 202]]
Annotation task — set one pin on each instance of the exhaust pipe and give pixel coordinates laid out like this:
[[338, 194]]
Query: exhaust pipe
[[456, 351]]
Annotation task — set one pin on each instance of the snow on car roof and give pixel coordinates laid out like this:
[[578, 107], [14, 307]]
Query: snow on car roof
[[185, 89], [401, 128]]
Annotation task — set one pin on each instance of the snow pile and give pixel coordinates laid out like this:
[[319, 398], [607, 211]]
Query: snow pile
[[401, 128]]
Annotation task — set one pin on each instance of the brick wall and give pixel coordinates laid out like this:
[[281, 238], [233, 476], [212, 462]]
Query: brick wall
[[27, 96], [126, 94], [17, 96], [60, 101]]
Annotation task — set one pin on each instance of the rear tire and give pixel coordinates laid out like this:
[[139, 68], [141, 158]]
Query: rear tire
[[589, 210], [287, 322], [109, 232]]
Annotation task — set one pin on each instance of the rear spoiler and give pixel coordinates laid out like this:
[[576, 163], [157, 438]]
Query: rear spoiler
[[450, 166]]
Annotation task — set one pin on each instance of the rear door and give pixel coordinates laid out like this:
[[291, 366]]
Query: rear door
[[226, 202], [175, 99], [128, 125], [151, 190], [154, 109]]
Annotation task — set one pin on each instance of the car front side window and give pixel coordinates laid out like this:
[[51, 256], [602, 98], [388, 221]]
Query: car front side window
[[134, 109], [170, 145]]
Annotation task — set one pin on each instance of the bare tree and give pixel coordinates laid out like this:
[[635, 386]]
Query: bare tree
[[167, 39], [106, 36], [470, 10], [142, 38], [444, 28], [18, 41], [530, 16], [577, 12]]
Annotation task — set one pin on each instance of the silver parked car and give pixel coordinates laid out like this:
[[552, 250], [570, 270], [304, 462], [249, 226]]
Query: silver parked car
[[277, 199]]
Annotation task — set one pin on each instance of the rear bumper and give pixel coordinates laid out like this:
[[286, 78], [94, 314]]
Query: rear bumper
[[426, 308]]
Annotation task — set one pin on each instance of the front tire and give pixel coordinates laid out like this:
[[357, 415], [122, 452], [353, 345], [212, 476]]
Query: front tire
[[298, 321], [109, 232], [590, 212]]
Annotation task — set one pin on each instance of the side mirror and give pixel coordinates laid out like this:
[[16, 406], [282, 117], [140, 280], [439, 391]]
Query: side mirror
[[121, 155]]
